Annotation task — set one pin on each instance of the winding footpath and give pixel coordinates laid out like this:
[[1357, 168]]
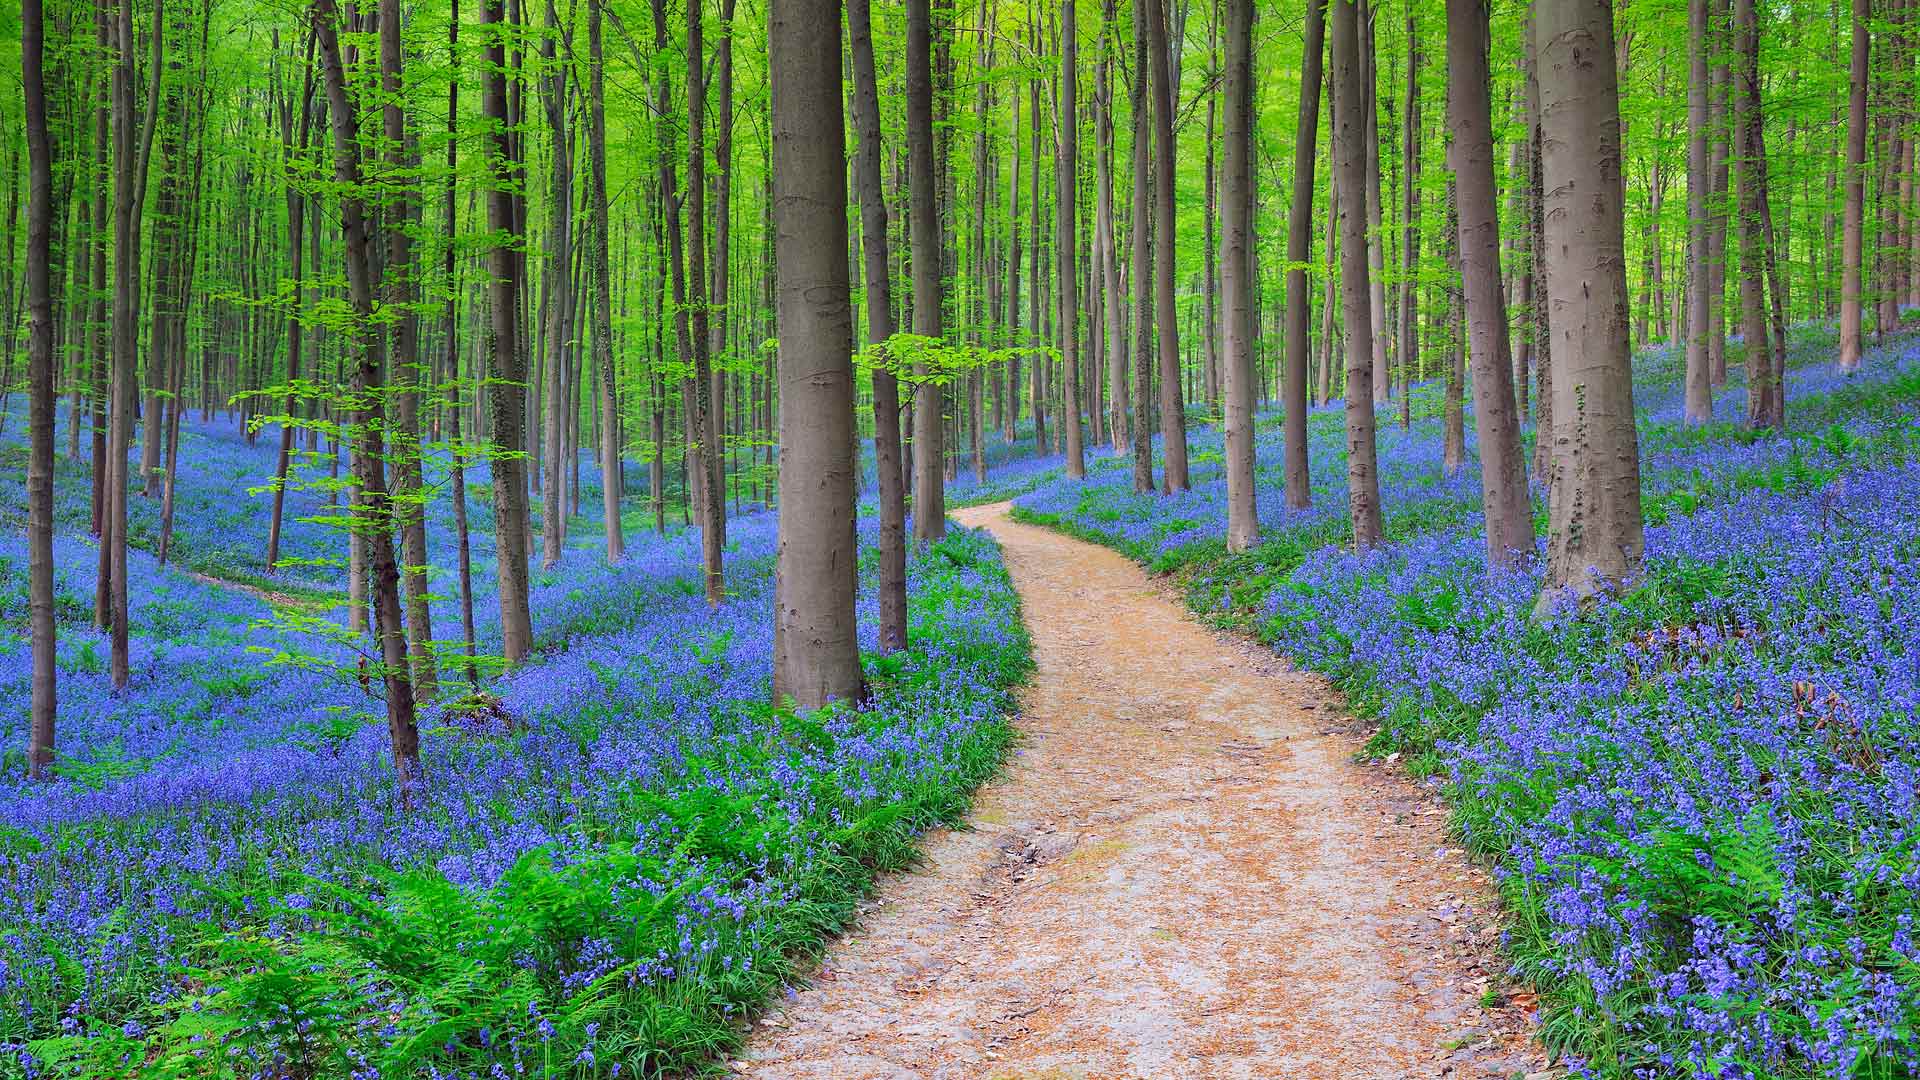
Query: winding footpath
[[1182, 873]]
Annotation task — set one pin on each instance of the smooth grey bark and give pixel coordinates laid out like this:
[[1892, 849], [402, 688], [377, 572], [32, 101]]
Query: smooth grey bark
[[1066, 251], [929, 405], [40, 406], [1306, 136], [1140, 218], [1236, 276], [1853, 230], [1350, 162], [1595, 535], [1698, 397], [880, 329], [506, 398], [819, 656], [1496, 420], [1173, 421]]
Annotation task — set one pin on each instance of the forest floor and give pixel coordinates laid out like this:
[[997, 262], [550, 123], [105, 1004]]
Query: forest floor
[[1184, 872]]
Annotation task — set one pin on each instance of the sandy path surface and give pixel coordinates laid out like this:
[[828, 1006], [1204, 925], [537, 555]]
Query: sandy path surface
[[1182, 873]]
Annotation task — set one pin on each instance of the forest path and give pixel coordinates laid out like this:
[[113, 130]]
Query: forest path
[[1181, 874]]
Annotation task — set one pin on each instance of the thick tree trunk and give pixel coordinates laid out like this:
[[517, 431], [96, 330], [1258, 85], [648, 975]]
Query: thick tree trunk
[[1594, 540], [1350, 162], [929, 421], [374, 514], [880, 329], [504, 357], [1853, 231], [1496, 421], [1306, 135], [1173, 422], [819, 658], [40, 395], [1236, 277]]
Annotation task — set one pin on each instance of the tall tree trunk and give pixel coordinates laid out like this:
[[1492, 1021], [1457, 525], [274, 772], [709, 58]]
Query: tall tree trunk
[[1114, 306], [403, 289], [1496, 421], [374, 515], [40, 406], [505, 367], [1306, 135], [457, 465], [558, 301], [1750, 149], [612, 479], [290, 150], [1853, 231], [1066, 249], [1594, 539], [1410, 229], [1236, 277], [1173, 422], [880, 329], [929, 492], [1369, 89], [1209, 271], [1699, 374], [702, 418], [1717, 154], [1140, 219], [131, 158], [819, 655], [1350, 162]]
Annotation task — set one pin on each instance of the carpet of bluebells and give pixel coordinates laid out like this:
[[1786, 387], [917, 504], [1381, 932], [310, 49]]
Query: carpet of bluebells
[[1702, 797], [620, 849]]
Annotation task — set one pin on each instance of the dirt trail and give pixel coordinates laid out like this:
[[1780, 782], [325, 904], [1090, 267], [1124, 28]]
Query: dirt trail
[[1181, 874]]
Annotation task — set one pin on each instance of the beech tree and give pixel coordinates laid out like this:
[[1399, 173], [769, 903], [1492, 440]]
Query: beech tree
[[929, 401], [40, 370], [818, 659], [865, 107], [1503, 477], [1236, 277], [1595, 539], [373, 514], [1299, 236], [1350, 162], [1853, 242]]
